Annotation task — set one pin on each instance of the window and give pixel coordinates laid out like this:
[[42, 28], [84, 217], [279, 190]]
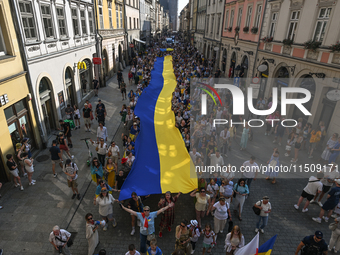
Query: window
[[218, 23], [258, 16], [75, 21], [130, 23], [121, 17], [117, 16], [226, 20], [239, 17], [207, 25], [110, 18], [28, 20], [101, 19], [273, 24], [231, 18], [2, 44], [133, 3], [249, 12], [83, 22], [294, 18], [134, 23], [321, 24], [91, 21], [212, 24], [61, 22], [137, 23], [47, 20]]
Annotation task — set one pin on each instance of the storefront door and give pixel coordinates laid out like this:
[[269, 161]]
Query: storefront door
[[327, 111], [48, 116]]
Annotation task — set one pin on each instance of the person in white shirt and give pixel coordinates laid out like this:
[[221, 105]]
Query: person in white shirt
[[101, 149], [313, 187], [225, 137], [130, 158], [331, 173], [101, 132], [250, 170], [219, 113], [58, 238], [115, 155], [221, 214], [194, 154], [71, 170], [226, 190], [216, 158], [265, 207]]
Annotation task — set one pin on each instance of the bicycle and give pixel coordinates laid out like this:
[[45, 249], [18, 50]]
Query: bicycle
[[89, 158]]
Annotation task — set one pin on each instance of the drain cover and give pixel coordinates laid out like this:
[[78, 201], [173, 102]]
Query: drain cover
[[42, 158]]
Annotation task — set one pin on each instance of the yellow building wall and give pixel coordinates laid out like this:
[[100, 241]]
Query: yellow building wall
[[16, 88], [106, 14]]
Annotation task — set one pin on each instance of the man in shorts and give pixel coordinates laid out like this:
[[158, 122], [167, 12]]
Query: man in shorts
[[55, 157], [313, 187], [67, 131], [95, 83], [123, 89], [87, 112], [71, 170], [13, 168]]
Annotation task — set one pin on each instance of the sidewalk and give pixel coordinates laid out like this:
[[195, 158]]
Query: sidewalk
[[28, 216]]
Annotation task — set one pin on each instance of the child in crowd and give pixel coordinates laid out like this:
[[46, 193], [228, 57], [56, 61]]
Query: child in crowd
[[209, 239]]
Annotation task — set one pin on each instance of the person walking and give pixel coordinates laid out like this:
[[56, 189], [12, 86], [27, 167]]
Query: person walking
[[313, 187], [245, 135], [101, 149], [87, 115], [26, 147], [334, 242], [101, 132], [123, 90], [273, 166], [59, 238], [13, 168], [266, 208], [28, 163], [332, 201], [183, 237], [135, 204], [96, 170], [234, 241], [71, 170], [95, 84], [113, 152], [250, 170], [221, 215], [105, 202], [76, 117], [330, 174], [313, 245], [56, 157], [241, 190], [100, 113], [63, 145], [154, 249], [202, 200], [119, 78], [147, 220], [91, 233], [330, 145], [195, 234], [67, 131], [110, 169], [297, 146], [209, 239], [168, 217], [314, 140], [335, 152]]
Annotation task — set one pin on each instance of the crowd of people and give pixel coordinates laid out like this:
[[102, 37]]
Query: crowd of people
[[207, 145]]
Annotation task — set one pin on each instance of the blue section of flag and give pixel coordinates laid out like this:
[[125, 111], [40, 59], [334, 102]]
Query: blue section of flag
[[267, 246], [144, 177]]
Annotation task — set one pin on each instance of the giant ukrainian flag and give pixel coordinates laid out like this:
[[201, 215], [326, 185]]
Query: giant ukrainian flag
[[162, 162]]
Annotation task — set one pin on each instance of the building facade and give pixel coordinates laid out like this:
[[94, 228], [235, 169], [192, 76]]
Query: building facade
[[172, 7], [57, 35], [110, 29], [213, 29], [240, 36], [132, 24], [295, 43], [145, 20], [199, 33], [16, 107]]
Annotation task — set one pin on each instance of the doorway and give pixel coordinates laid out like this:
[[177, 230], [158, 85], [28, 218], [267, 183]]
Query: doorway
[[69, 82], [47, 105]]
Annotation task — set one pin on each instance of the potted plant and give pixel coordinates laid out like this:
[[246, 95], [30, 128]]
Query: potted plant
[[335, 47], [237, 29], [246, 29], [288, 42], [254, 30], [267, 39], [230, 29], [312, 45]]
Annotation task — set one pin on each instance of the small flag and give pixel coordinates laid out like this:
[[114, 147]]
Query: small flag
[[251, 248], [267, 247]]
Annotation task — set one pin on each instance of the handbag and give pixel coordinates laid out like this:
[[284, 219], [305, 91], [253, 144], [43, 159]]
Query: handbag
[[333, 226], [109, 154], [69, 242], [256, 210]]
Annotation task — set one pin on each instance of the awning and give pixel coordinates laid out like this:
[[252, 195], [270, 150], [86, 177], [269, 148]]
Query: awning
[[140, 41]]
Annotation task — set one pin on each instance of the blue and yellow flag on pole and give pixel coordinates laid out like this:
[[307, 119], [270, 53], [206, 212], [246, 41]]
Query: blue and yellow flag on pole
[[267, 247], [162, 161]]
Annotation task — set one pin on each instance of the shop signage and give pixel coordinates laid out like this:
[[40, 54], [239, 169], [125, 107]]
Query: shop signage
[[131, 45], [97, 61], [333, 95], [4, 99], [61, 99]]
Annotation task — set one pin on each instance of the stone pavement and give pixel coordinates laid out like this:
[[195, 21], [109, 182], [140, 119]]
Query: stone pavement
[[49, 202]]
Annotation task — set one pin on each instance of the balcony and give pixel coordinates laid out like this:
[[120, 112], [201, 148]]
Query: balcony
[[109, 33]]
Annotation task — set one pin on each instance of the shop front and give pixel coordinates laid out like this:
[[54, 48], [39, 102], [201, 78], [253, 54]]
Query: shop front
[[86, 77]]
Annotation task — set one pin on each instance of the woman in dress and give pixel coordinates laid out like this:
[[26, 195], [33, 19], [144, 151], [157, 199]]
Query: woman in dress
[[168, 217], [110, 168], [314, 140], [96, 170], [241, 190], [335, 152], [273, 165], [105, 202], [63, 145], [91, 233], [183, 237], [330, 145], [28, 163], [202, 203], [297, 146], [76, 117], [244, 138], [234, 241]]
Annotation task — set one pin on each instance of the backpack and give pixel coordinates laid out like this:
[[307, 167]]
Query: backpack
[[72, 166], [310, 250]]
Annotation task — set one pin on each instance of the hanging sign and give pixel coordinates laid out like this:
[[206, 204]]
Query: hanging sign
[[333, 95], [97, 61]]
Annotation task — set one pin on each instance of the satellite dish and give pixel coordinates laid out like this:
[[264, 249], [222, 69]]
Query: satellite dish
[[262, 68]]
